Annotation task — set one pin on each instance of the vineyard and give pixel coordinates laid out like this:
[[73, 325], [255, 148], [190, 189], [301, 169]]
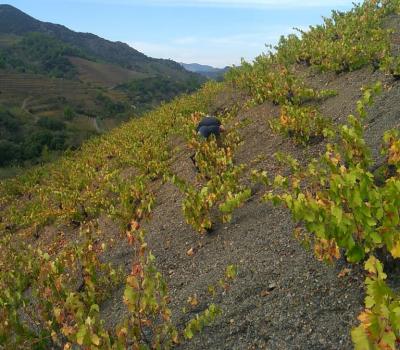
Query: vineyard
[[123, 245], [13, 84], [17, 87], [48, 70], [103, 74]]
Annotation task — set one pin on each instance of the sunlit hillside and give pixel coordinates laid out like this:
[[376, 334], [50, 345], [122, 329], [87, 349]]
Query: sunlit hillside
[[82, 83], [287, 236]]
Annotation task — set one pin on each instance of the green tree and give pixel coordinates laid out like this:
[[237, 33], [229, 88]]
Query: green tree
[[9, 152], [69, 113], [51, 123]]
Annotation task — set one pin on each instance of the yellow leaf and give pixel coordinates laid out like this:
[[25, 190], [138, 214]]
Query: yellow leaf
[[54, 336], [364, 318], [396, 250], [193, 301], [95, 339], [190, 252], [175, 337]]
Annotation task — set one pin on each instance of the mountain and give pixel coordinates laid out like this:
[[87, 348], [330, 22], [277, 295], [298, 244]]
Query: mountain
[[83, 83], [199, 68], [205, 70], [13, 21]]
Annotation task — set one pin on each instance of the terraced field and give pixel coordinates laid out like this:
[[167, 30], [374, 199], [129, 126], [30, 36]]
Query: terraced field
[[39, 93], [103, 74], [8, 39], [19, 86]]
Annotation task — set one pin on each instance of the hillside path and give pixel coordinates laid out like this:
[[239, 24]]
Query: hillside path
[[25, 103]]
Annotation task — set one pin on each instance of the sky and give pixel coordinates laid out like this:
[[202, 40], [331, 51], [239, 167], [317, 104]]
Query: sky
[[213, 32]]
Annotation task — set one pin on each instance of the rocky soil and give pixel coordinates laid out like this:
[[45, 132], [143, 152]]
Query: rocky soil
[[283, 298]]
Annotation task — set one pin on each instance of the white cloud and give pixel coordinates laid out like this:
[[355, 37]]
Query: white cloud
[[252, 3], [218, 51], [260, 4]]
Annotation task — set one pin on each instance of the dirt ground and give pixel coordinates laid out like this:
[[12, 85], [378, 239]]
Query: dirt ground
[[283, 298]]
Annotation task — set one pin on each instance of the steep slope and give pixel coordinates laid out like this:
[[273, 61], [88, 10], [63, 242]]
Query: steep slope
[[283, 297], [135, 192]]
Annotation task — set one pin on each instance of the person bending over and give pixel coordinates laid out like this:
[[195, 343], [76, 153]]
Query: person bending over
[[208, 126]]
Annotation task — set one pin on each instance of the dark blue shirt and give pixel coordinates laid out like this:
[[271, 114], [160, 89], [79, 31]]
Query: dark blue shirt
[[208, 126], [206, 131], [208, 121]]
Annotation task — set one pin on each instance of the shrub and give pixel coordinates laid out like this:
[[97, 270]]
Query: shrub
[[305, 124], [51, 123], [9, 152]]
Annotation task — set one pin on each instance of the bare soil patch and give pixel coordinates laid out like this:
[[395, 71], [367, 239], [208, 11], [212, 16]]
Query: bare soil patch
[[283, 297]]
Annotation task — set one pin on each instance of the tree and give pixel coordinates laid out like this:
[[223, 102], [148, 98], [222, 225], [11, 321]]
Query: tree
[[51, 123], [9, 151]]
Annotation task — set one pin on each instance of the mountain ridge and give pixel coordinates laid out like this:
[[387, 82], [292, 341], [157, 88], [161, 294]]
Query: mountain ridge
[[50, 71], [17, 22], [205, 70]]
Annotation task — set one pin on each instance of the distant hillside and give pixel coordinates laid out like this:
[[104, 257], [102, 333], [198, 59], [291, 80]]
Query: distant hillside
[[14, 21], [205, 70], [86, 83]]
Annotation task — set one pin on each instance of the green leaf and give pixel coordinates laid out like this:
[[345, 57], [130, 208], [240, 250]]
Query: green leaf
[[376, 237], [355, 254], [130, 296], [356, 199], [80, 336], [390, 339], [379, 213], [337, 213], [360, 339], [369, 302], [309, 216], [188, 333], [231, 271]]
